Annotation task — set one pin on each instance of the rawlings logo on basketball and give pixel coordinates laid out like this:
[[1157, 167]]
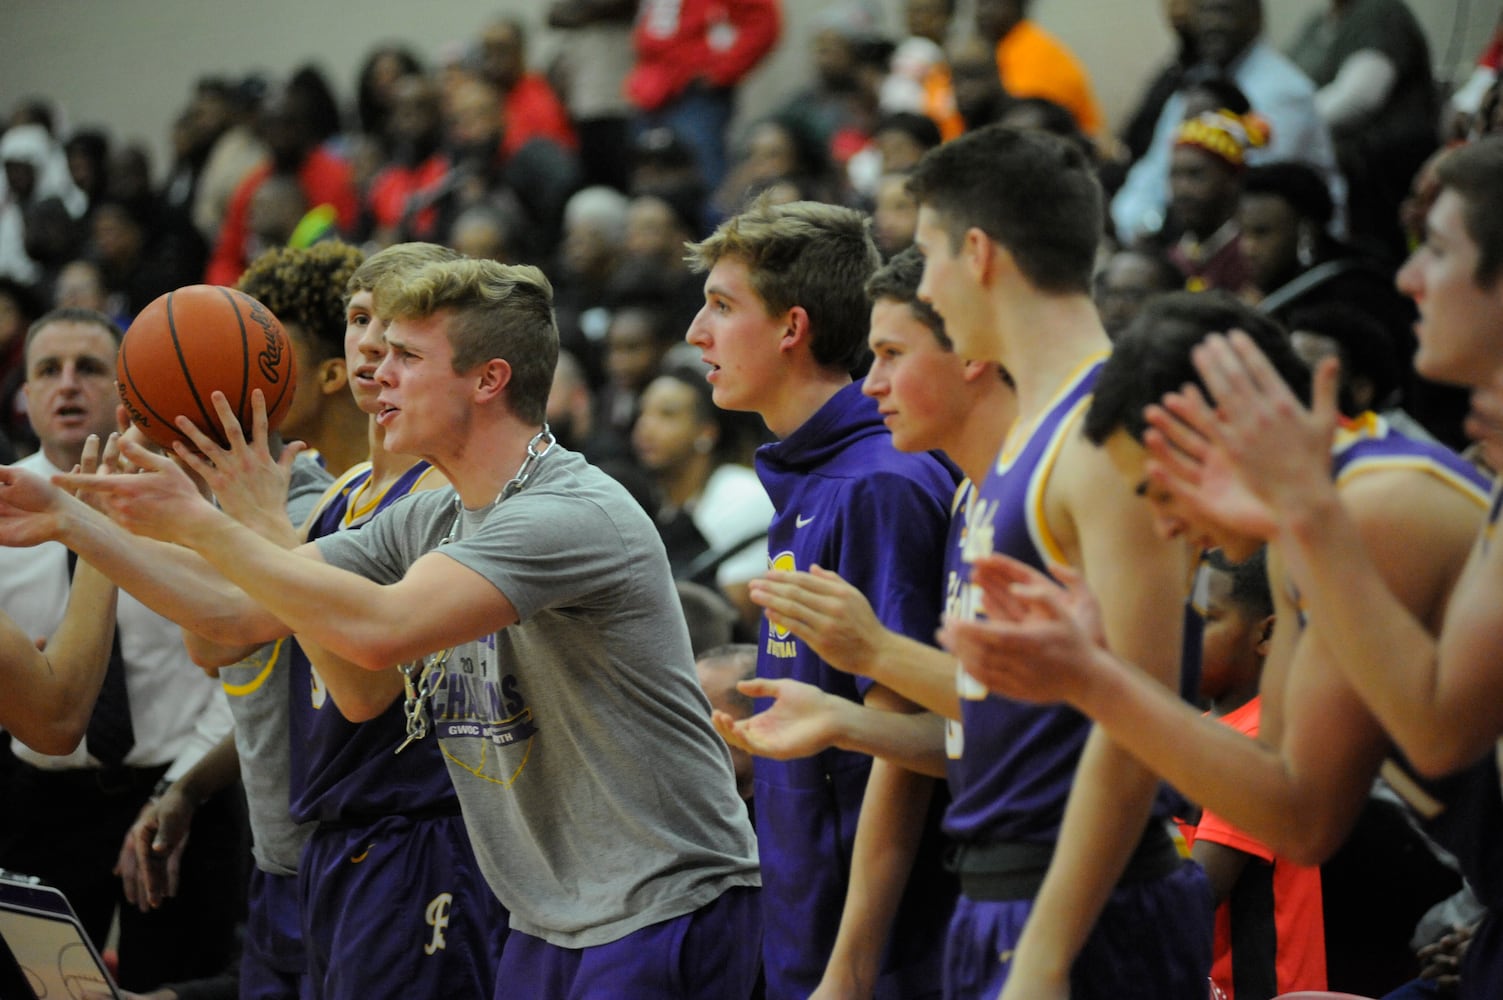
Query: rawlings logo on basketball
[[270, 358], [136, 416]]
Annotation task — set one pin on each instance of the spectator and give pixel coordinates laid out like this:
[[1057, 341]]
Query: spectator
[[417, 165], [593, 62], [533, 184], [19, 307], [691, 56], [291, 126], [529, 107], [236, 150], [895, 215], [712, 512], [36, 172], [374, 88], [1130, 278], [1205, 183], [1030, 62], [1372, 64], [1228, 39]]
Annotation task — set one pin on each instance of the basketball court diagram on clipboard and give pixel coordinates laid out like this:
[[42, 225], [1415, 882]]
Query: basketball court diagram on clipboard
[[46, 943]]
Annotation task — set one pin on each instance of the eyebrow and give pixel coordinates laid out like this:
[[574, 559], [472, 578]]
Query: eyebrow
[[719, 292]]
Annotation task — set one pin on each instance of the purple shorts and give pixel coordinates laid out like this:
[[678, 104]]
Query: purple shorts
[[399, 909], [713, 953], [1152, 942], [273, 964]]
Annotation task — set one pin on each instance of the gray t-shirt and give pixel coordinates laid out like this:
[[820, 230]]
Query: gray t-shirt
[[258, 696], [597, 795]]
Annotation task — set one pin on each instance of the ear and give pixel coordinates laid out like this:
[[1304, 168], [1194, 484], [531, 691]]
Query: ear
[[492, 379], [1265, 635], [333, 376], [974, 370], [977, 250], [796, 330]]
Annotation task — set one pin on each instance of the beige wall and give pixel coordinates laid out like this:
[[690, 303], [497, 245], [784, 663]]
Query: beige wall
[[129, 63]]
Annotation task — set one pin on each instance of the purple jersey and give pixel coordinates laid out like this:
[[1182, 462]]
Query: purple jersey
[[390, 839], [1012, 763], [347, 772], [848, 501]]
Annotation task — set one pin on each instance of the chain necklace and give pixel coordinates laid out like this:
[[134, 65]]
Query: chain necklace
[[421, 677]]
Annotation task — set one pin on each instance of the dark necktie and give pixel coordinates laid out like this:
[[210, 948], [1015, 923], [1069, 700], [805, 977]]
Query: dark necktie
[[110, 735]]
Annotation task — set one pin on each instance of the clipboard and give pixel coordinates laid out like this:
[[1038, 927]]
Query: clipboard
[[44, 952]]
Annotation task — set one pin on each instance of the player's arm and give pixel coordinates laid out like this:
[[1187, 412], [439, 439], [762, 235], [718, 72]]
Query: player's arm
[[804, 720], [1441, 702], [49, 696], [838, 623], [370, 624], [170, 580], [1140, 581], [888, 832], [1298, 793]]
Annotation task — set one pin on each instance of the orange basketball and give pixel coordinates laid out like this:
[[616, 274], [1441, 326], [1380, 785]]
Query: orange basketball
[[188, 343]]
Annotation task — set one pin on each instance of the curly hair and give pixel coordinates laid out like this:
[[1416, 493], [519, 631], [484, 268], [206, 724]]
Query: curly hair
[[305, 288]]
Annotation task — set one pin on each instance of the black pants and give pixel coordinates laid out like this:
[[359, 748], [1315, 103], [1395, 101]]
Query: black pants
[[66, 827]]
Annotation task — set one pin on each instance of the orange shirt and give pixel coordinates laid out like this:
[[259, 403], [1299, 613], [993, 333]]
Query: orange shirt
[[1270, 933], [1031, 63]]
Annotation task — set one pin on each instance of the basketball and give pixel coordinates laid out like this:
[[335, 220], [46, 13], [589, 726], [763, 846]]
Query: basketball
[[192, 341]]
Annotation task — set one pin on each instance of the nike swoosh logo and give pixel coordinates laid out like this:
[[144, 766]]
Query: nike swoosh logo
[[799, 522], [361, 856]]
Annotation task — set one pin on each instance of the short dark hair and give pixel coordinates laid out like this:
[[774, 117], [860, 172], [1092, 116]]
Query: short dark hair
[[1296, 183], [1250, 592], [1222, 89], [1475, 172], [1032, 192], [920, 128], [898, 280], [1152, 357], [72, 314], [1365, 346], [806, 254]]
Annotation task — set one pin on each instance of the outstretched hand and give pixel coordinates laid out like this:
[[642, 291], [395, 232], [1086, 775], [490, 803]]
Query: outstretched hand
[[159, 501], [801, 721], [832, 617], [1040, 640], [32, 509], [249, 484]]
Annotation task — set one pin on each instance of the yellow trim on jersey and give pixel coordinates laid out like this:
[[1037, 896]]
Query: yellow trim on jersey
[[354, 513], [337, 488], [1021, 431], [961, 498], [1038, 521], [1416, 463], [250, 686]]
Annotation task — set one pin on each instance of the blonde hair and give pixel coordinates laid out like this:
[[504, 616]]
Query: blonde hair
[[495, 311]]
